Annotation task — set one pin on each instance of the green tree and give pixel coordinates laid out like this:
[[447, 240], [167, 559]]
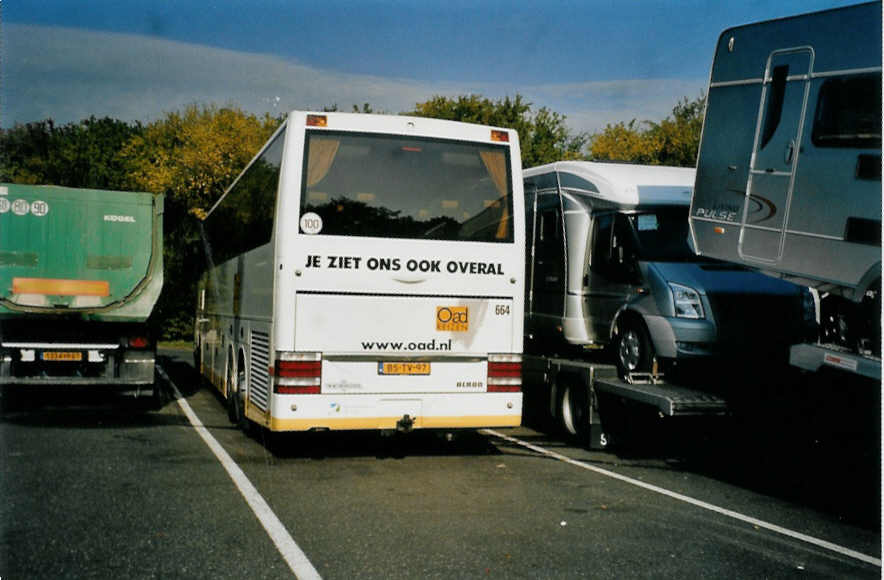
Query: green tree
[[83, 154], [673, 141], [192, 157], [543, 135]]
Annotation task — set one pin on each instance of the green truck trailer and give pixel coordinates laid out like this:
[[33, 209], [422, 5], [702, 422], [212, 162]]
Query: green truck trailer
[[80, 272]]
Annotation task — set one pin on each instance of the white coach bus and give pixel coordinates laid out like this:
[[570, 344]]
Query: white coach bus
[[366, 272]]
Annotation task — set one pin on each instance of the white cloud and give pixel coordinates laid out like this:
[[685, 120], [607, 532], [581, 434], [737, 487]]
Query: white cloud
[[70, 74]]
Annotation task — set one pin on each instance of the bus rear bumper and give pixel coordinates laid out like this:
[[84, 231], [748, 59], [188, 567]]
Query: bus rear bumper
[[361, 412]]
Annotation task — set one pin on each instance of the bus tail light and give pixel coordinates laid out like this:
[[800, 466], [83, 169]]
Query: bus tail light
[[297, 373], [504, 373], [138, 342]]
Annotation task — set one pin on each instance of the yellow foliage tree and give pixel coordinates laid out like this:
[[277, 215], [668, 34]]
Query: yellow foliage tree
[[626, 142], [672, 141], [194, 155]]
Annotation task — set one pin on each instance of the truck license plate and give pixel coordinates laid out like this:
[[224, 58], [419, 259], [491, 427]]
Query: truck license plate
[[62, 356], [403, 368]]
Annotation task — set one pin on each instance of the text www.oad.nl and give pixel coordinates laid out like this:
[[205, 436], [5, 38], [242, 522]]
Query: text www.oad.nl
[[431, 345]]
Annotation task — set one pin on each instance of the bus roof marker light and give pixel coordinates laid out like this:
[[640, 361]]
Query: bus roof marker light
[[317, 121], [500, 136]]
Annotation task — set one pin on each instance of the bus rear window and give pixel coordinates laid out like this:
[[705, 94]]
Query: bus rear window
[[405, 187]]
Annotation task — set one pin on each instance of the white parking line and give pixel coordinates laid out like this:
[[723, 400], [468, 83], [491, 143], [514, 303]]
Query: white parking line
[[293, 555], [702, 504]]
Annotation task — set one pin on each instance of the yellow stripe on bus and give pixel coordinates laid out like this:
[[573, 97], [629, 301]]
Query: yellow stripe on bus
[[354, 423]]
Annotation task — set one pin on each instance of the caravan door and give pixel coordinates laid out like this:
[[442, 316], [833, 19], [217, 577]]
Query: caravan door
[[775, 154]]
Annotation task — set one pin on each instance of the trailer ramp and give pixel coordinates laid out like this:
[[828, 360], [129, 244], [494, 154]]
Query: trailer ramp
[[671, 400]]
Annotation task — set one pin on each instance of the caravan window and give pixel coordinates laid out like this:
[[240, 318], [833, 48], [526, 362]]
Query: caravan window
[[571, 181], [541, 182], [848, 113], [774, 103]]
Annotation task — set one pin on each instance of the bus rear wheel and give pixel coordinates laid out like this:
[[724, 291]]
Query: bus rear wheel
[[236, 404]]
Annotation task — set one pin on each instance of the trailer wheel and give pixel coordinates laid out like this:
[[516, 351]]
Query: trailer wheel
[[573, 407], [634, 350]]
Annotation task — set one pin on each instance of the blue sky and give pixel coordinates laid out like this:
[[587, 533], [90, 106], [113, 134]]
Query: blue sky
[[596, 61]]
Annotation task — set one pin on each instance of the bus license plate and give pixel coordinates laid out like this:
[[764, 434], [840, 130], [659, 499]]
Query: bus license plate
[[62, 356], [403, 368]]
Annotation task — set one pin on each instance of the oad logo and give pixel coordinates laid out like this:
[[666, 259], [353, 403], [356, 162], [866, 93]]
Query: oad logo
[[452, 318]]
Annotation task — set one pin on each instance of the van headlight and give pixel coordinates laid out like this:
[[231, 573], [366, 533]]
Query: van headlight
[[687, 301]]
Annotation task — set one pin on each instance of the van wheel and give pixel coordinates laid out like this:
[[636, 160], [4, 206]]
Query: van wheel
[[634, 350], [573, 407]]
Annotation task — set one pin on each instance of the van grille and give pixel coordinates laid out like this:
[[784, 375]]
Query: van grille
[[259, 378], [757, 320]]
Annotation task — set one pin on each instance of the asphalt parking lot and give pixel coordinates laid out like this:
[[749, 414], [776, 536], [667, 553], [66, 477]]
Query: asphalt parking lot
[[97, 488]]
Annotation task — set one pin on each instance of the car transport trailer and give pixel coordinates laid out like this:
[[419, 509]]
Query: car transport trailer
[[573, 388]]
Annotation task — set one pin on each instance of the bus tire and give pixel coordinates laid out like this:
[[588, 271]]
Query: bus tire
[[236, 404], [229, 392]]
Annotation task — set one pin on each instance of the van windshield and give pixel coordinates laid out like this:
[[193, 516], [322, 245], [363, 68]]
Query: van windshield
[[393, 186], [662, 236]]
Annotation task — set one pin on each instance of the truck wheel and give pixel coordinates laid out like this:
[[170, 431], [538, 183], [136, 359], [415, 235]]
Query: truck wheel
[[634, 350], [573, 409]]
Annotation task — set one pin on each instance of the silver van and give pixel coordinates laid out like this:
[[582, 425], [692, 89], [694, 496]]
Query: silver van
[[609, 262]]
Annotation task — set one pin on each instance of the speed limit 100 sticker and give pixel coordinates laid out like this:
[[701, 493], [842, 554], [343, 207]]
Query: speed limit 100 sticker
[[311, 223]]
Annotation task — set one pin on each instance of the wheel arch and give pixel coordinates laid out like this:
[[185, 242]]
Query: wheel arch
[[625, 313]]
